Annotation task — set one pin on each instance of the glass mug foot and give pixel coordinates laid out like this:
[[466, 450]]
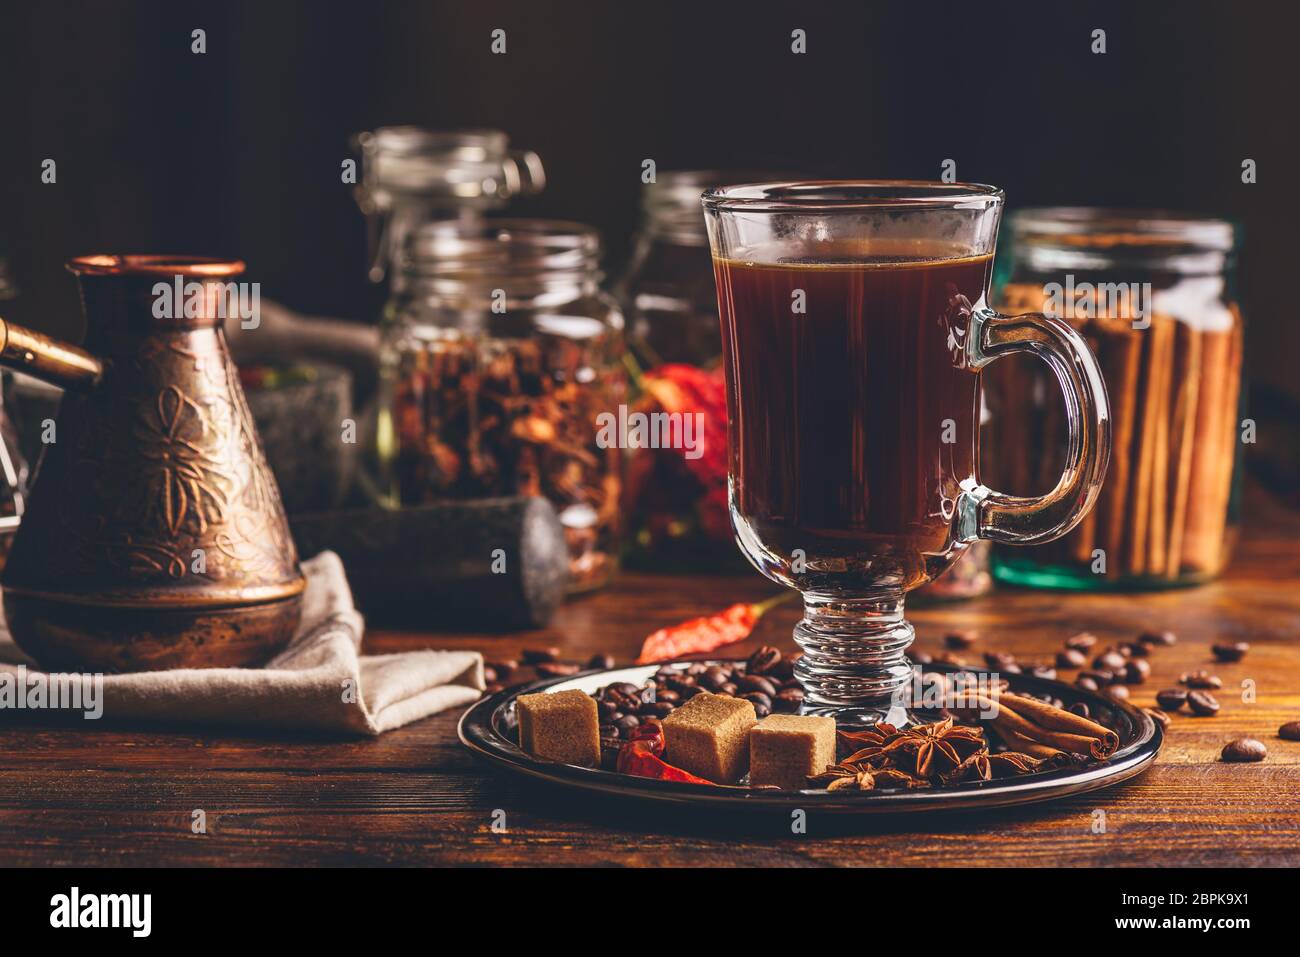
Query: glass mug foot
[[854, 665]]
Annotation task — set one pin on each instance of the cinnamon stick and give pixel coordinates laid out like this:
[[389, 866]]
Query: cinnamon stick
[[1120, 353], [1203, 534], [1039, 724], [1147, 496], [1186, 374], [1229, 441]]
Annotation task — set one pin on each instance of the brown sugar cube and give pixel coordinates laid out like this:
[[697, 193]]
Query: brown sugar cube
[[785, 748], [560, 727], [709, 737]]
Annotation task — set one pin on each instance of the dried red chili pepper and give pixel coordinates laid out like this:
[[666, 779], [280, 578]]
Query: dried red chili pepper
[[640, 756], [699, 635]]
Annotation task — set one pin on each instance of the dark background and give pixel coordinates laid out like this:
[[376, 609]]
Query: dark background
[[237, 152]]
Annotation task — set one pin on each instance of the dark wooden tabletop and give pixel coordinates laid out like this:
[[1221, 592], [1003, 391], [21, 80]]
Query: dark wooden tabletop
[[415, 796]]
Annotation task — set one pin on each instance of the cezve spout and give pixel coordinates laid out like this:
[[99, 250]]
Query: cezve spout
[[48, 359]]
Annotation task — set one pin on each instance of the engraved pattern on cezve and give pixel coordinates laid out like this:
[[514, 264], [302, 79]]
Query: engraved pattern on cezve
[[162, 476]]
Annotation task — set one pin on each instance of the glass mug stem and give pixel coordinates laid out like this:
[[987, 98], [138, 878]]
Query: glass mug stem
[[854, 664]]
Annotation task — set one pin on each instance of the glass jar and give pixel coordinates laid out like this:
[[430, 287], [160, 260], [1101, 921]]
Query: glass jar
[[498, 353], [676, 505], [1154, 294], [667, 288], [411, 175]]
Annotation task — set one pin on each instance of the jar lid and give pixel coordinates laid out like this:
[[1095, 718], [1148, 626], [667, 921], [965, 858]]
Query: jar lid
[[454, 165], [468, 251], [1084, 237], [672, 202]]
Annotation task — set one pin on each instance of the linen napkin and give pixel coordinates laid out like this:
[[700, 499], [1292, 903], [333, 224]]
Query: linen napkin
[[320, 682]]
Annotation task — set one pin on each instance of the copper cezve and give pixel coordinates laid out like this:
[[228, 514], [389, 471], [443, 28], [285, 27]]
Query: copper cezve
[[154, 536]]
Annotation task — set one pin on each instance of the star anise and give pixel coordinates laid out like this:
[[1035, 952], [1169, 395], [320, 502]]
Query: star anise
[[942, 746]]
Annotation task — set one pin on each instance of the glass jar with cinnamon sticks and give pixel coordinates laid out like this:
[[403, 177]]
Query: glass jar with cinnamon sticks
[[499, 352], [1154, 295]]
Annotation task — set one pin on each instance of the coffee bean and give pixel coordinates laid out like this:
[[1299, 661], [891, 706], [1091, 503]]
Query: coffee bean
[[1045, 672], [1136, 671], [603, 662], [667, 695], [1118, 692], [729, 689], [658, 709], [1159, 716], [1109, 660], [697, 668], [949, 658], [1071, 658], [623, 688], [789, 699], [1171, 699], [961, 639], [1289, 731], [1082, 641], [537, 656], [1244, 749], [489, 674], [783, 670], [627, 722], [1134, 649], [1081, 709], [920, 657], [1157, 639], [1230, 651], [681, 683], [1201, 679], [763, 660], [1101, 677], [1202, 703], [999, 660], [714, 678], [556, 669], [608, 731], [757, 683], [606, 710], [1086, 683], [504, 667]]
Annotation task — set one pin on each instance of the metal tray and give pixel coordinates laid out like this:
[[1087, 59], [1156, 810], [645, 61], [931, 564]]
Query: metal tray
[[485, 730]]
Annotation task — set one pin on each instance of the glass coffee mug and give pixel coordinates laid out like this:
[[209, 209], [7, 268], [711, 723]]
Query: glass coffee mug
[[854, 329]]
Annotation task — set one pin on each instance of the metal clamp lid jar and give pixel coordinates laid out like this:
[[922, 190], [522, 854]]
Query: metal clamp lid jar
[[410, 175], [499, 354]]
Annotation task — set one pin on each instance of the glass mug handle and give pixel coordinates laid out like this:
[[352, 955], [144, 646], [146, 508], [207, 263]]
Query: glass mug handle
[[1018, 520]]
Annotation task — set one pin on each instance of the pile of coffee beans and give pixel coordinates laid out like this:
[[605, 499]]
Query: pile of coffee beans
[[542, 662], [766, 680], [1113, 669]]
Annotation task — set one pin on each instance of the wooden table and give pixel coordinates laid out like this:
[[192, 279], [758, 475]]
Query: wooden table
[[68, 796]]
